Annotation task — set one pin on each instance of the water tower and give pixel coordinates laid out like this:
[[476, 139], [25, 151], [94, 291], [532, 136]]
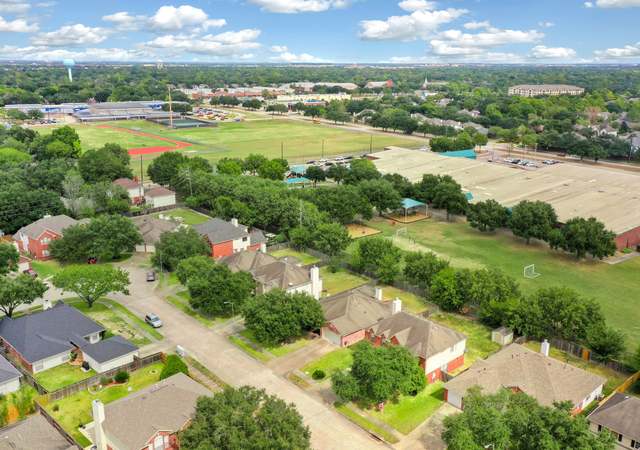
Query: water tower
[[69, 63]]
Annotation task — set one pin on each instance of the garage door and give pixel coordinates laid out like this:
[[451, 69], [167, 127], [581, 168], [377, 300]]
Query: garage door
[[331, 336], [454, 399]]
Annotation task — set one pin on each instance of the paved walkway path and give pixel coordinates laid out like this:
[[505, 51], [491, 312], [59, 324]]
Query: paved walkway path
[[329, 430]]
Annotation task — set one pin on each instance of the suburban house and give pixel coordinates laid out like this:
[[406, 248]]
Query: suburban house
[[48, 338], [270, 273], [33, 433], [134, 189], [158, 197], [151, 228], [620, 415], [9, 377], [438, 348], [227, 238], [519, 369], [36, 237], [349, 314], [149, 419]]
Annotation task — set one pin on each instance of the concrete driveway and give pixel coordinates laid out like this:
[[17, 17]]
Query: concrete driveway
[[329, 430]]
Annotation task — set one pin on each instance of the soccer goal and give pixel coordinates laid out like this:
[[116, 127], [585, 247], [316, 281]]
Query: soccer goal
[[530, 271]]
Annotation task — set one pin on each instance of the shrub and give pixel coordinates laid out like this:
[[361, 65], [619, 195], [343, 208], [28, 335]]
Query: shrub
[[105, 381], [173, 365], [122, 377], [318, 374], [56, 408]]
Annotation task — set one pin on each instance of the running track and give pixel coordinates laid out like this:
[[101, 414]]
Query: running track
[[148, 150]]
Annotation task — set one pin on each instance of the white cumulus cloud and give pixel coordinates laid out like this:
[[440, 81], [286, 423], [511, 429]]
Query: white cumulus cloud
[[171, 18], [14, 6], [543, 52], [458, 43], [416, 5], [628, 51], [419, 24], [17, 26], [230, 44], [289, 57], [124, 21], [613, 4], [299, 6], [88, 54], [71, 35]]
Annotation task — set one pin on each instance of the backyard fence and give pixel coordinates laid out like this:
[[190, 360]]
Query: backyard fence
[[26, 376], [586, 354], [138, 363], [56, 425]]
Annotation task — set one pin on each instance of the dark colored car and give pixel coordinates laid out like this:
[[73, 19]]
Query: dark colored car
[[32, 273], [151, 276]]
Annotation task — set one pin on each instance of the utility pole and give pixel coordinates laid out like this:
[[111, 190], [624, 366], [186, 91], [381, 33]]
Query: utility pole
[[170, 107], [371, 144], [141, 189], [281, 150], [322, 149]]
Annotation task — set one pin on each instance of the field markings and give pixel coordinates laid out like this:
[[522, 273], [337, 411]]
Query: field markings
[[148, 150]]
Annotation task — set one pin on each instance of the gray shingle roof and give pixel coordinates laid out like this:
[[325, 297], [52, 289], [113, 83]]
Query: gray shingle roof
[[151, 227], [218, 230], [167, 405], [621, 413], [7, 371], [108, 349], [53, 223], [33, 433], [268, 270], [543, 378], [353, 311], [422, 337], [48, 333]]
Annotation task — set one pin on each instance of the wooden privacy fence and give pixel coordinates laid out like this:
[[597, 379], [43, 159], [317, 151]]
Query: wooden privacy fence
[[586, 354], [57, 426], [137, 363]]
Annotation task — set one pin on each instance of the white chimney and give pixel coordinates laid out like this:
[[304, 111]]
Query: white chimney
[[316, 282], [263, 248], [396, 306], [97, 410], [234, 222], [544, 348], [378, 294], [46, 304]]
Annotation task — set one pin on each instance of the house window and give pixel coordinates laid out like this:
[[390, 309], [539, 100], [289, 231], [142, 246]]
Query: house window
[[599, 428], [619, 438], [158, 443], [45, 253], [244, 239], [635, 444], [46, 240]]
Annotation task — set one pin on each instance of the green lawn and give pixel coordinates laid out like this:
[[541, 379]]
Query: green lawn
[[300, 140], [186, 215], [118, 320], [304, 258], [61, 376], [340, 281], [479, 343], [410, 302], [615, 287], [276, 350], [331, 363], [349, 412], [614, 379], [75, 410], [45, 269], [249, 349], [409, 412]]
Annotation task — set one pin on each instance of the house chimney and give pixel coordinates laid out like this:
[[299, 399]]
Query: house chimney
[[378, 294], [263, 248], [46, 304], [316, 282], [544, 348], [396, 306], [234, 222], [97, 410]]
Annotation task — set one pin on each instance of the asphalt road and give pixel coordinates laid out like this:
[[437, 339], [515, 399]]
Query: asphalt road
[[329, 430]]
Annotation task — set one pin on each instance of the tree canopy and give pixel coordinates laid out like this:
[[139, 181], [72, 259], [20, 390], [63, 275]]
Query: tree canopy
[[91, 282]]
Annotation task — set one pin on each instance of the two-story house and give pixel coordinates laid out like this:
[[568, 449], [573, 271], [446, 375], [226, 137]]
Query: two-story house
[[620, 416], [227, 238], [36, 237]]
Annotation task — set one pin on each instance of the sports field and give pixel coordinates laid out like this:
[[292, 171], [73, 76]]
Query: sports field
[[615, 287], [299, 141]]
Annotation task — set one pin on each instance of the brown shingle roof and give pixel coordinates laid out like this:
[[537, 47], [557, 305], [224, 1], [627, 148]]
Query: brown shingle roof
[[158, 191], [218, 230], [543, 378], [33, 433], [127, 183], [52, 223], [422, 337], [621, 413], [268, 270], [167, 405], [353, 310], [151, 228]]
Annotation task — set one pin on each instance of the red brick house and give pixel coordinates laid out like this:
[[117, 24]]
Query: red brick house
[[227, 238], [134, 189], [149, 419], [35, 238], [438, 348]]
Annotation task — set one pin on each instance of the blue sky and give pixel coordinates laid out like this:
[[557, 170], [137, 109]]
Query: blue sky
[[339, 31]]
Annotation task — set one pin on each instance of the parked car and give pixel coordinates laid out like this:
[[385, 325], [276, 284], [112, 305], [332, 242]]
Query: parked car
[[151, 276], [153, 320], [32, 273]]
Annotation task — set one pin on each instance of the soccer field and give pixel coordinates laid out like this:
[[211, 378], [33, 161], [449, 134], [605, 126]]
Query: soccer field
[[298, 141], [615, 287]]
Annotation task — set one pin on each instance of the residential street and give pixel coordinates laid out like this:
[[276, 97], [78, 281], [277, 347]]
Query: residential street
[[329, 430]]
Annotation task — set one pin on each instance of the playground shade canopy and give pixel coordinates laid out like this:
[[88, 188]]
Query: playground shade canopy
[[469, 154], [409, 203], [297, 180]]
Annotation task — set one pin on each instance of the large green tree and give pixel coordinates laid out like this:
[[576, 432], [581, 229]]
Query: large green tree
[[378, 256], [278, 316], [9, 257], [508, 420], [91, 282], [487, 216], [176, 246], [420, 268], [331, 239], [107, 163], [449, 196], [588, 236], [381, 194], [532, 220], [245, 418], [21, 290], [379, 374]]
